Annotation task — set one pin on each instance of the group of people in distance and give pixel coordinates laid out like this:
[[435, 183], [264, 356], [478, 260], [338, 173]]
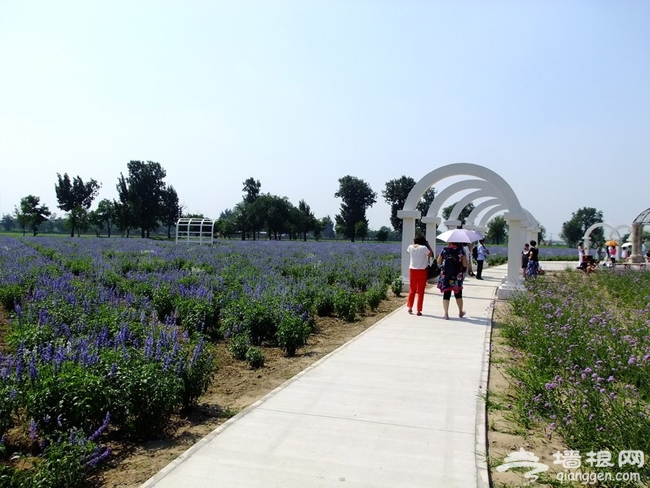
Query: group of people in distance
[[530, 260], [589, 263]]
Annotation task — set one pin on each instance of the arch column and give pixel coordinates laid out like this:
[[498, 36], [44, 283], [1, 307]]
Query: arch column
[[516, 235], [408, 233], [452, 224], [432, 224], [637, 231]]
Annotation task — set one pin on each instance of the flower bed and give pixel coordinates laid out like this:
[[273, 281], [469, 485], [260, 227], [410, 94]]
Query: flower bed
[[116, 333]]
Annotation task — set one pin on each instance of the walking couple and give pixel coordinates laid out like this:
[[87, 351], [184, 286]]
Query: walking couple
[[452, 262]]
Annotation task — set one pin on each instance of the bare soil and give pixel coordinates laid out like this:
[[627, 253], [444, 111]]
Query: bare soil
[[235, 386]]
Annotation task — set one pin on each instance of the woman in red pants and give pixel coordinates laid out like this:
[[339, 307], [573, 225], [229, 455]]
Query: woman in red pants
[[420, 252]]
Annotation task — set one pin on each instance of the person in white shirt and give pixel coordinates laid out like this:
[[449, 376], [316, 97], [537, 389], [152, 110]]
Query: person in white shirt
[[482, 254], [419, 252]]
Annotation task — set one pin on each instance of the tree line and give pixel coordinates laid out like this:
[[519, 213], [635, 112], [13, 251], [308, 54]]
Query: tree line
[[147, 203]]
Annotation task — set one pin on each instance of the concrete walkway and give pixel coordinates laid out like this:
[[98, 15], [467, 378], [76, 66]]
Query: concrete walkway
[[399, 406]]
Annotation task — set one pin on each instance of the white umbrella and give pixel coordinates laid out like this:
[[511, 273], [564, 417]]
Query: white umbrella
[[459, 235], [627, 244]]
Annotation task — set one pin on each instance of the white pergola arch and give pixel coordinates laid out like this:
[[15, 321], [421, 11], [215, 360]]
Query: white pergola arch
[[195, 230], [480, 208], [515, 216]]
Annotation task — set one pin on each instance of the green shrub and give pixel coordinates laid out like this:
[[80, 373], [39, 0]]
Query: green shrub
[[345, 304], [238, 346], [70, 392], [375, 295], [397, 285], [10, 294], [292, 334], [497, 260], [324, 302], [197, 375], [255, 357]]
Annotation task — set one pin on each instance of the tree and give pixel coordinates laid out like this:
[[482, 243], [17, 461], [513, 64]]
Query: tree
[[31, 213], [464, 214], [361, 230], [423, 206], [227, 223], [251, 189], [382, 234], [357, 197], [305, 219], [574, 229], [274, 213], [104, 215], [497, 230], [75, 197], [327, 227], [8, 222], [141, 195], [248, 219], [171, 209], [395, 195]]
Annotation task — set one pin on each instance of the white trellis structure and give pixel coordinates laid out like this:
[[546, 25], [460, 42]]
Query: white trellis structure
[[195, 231]]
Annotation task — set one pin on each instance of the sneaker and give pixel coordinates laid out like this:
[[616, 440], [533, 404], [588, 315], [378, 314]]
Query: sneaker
[[410, 310], [479, 278], [419, 314]]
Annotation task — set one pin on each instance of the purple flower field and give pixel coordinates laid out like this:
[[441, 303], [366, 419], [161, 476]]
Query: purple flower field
[[581, 359], [116, 334]]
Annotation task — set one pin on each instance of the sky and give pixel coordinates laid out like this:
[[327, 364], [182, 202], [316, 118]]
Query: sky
[[552, 95]]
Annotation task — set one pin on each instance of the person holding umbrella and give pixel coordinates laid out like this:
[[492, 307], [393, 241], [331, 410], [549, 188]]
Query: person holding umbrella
[[452, 261]]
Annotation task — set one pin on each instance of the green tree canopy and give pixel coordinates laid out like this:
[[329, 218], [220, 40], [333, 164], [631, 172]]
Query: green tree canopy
[[75, 197], [464, 214], [141, 196], [574, 229], [31, 213], [357, 197], [395, 195], [170, 209], [497, 230]]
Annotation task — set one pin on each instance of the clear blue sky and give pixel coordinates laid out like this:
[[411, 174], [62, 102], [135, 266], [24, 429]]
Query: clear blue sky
[[553, 95]]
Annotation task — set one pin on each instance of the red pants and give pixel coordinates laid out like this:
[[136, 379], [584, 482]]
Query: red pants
[[418, 282]]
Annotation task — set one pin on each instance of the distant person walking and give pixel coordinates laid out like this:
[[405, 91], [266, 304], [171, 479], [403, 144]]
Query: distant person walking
[[524, 259], [611, 250], [581, 254], [532, 268], [482, 253], [419, 253], [452, 261]]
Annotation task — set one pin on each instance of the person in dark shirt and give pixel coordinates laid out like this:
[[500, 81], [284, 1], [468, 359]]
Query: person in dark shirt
[[532, 267]]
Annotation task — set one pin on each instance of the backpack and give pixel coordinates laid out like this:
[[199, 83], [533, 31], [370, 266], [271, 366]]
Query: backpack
[[475, 252], [451, 264]]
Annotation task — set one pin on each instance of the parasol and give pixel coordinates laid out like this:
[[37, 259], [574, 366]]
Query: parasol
[[611, 243], [459, 235], [627, 244]]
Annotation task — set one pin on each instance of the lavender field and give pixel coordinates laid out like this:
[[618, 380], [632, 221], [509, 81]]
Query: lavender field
[[580, 361], [113, 336]]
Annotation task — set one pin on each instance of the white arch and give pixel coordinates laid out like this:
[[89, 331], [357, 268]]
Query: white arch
[[488, 215], [451, 190], [480, 208], [459, 169], [466, 200], [514, 217]]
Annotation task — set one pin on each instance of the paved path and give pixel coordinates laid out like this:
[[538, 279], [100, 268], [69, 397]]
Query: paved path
[[399, 406]]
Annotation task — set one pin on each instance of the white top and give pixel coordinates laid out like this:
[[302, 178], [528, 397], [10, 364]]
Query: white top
[[419, 256]]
